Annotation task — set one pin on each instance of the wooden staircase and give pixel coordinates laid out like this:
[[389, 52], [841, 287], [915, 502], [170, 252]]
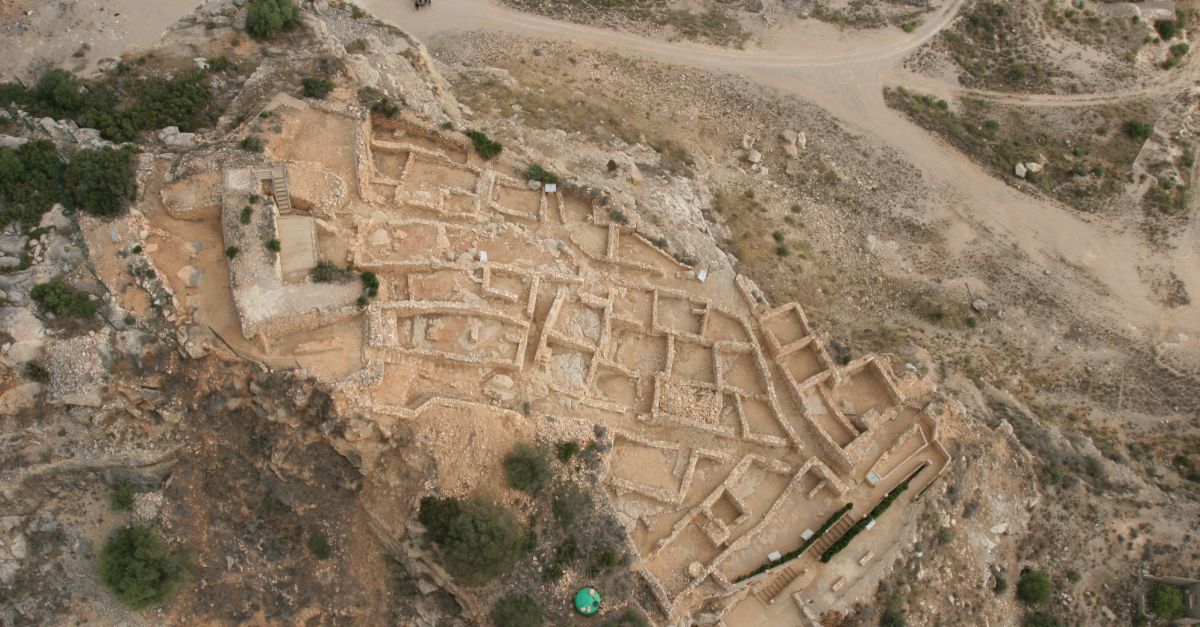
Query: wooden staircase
[[780, 580], [833, 534], [279, 187]]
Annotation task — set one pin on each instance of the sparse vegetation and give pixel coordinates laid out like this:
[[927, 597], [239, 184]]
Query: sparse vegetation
[[231, 251], [138, 567], [1001, 585], [629, 617], [479, 540], [247, 213], [36, 373], [519, 610], [570, 503], [1082, 168], [266, 19], [1041, 618], [252, 143], [273, 245], [527, 468]]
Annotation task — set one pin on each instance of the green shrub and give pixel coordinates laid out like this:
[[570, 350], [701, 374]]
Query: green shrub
[[268, 18], [487, 147], [318, 545], [892, 617], [569, 503], [27, 182], [1041, 618], [1138, 130], [479, 540], [36, 373], [139, 568], [618, 216], [1034, 587], [247, 213], [252, 143], [1001, 585], [231, 251], [1166, 29], [1166, 602], [1180, 49], [567, 450], [273, 245], [370, 284], [519, 610], [178, 101], [120, 499], [527, 468], [63, 300], [1073, 576], [779, 237], [541, 175], [101, 182], [326, 272], [316, 87]]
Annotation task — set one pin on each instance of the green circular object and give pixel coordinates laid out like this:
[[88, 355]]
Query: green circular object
[[587, 601]]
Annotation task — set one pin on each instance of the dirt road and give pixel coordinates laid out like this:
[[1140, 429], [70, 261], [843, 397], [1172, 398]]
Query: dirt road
[[845, 73]]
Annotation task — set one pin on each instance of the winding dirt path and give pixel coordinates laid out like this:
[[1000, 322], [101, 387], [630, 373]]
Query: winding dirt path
[[845, 74]]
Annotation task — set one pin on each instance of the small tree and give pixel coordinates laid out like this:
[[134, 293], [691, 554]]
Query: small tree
[[480, 541], [268, 18], [138, 568], [519, 610], [1034, 587], [527, 468], [1138, 130], [318, 545], [1166, 602], [101, 182], [121, 498]]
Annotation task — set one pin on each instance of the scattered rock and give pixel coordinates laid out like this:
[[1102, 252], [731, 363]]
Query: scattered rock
[[1019, 170], [754, 156]]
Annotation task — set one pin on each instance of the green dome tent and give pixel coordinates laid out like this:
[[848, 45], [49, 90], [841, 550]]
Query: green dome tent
[[587, 601]]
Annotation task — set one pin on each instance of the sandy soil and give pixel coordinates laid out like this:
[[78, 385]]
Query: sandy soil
[[35, 35]]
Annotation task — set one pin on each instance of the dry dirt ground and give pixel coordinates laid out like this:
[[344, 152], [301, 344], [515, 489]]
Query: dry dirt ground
[[891, 237]]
